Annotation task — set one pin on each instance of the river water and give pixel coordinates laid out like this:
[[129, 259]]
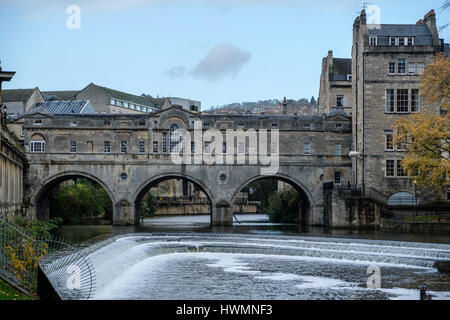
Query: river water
[[183, 258]]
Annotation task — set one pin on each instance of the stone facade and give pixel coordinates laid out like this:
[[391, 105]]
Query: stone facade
[[386, 64], [307, 157], [335, 84], [11, 163]]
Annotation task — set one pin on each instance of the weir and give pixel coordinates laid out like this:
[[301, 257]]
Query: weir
[[335, 264]]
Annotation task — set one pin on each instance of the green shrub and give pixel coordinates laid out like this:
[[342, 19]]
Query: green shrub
[[283, 206]]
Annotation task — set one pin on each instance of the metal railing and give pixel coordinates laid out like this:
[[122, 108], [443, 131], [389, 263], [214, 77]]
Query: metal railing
[[21, 255]]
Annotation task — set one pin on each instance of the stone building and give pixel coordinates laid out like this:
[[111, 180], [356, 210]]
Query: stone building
[[335, 84], [11, 163], [387, 61]]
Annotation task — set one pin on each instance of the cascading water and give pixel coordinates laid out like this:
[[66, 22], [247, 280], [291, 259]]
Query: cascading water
[[214, 266]]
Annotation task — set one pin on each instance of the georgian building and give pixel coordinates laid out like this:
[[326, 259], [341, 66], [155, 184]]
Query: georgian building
[[387, 61], [11, 163]]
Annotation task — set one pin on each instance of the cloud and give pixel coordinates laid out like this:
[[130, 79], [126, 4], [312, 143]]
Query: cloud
[[222, 60], [177, 72]]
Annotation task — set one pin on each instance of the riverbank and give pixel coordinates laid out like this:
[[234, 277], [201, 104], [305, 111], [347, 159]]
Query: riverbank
[[8, 292]]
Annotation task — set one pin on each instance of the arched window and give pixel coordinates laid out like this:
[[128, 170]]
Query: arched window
[[37, 143], [174, 138], [402, 199]]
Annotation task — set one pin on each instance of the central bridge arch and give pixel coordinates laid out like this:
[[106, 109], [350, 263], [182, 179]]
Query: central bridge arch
[[155, 180]]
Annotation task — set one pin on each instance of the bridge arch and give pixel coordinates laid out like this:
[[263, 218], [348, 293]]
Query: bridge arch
[[300, 187], [39, 199], [153, 181]]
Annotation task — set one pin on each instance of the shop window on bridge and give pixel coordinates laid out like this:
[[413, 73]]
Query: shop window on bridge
[[174, 138], [37, 143], [402, 199]]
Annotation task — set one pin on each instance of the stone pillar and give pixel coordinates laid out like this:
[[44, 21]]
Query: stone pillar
[[123, 214], [222, 214]]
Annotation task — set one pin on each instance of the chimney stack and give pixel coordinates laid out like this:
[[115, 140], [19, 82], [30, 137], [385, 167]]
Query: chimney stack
[[284, 106]]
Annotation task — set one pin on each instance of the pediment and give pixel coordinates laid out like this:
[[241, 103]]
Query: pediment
[[38, 115]]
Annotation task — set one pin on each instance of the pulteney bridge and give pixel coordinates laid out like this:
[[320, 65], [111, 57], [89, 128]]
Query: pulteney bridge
[[129, 154]]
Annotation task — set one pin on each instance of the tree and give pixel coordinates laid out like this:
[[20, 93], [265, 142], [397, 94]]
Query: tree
[[428, 135], [284, 206], [148, 206], [81, 199]]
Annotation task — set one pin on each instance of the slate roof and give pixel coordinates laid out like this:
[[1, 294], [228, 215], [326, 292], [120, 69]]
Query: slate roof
[[62, 107], [341, 68], [10, 95], [142, 100], [420, 32], [64, 95]]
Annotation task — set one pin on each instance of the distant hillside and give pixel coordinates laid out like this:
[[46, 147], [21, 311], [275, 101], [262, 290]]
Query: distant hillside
[[272, 106]]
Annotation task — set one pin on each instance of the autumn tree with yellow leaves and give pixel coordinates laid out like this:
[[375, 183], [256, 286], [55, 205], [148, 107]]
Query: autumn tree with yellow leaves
[[428, 135]]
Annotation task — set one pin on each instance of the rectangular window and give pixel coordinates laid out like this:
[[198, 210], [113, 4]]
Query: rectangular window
[[207, 147], [402, 100], [401, 41], [307, 125], [241, 147], [141, 146], [339, 100], [337, 177], [401, 140], [391, 67], [106, 146], [390, 100], [392, 41], [164, 142], [241, 125], [113, 101], [73, 146], [192, 147], [400, 171], [125, 105], [37, 146], [306, 148], [411, 68], [119, 103], [274, 125], [124, 147], [373, 41], [410, 41], [338, 149], [389, 168], [224, 147], [205, 124], [22, 133], [419, 68], [389, 141], [401, 67], [414, 100], [155, 147]]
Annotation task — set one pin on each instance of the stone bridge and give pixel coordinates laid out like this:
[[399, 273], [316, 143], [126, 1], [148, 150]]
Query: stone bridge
[[129, 154]]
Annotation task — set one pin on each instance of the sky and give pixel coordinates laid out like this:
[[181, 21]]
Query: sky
[[214, 51]]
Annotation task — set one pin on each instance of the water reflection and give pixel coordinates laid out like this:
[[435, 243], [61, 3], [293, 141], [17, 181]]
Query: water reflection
[[248, 224]]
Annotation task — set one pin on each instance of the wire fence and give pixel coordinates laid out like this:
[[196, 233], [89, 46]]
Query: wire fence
[[68, 269]]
